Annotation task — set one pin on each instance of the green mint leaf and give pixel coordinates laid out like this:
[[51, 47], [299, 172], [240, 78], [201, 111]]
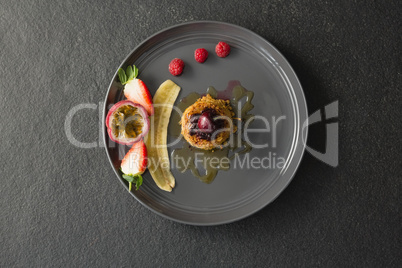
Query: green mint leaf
[[130, 73], [135, 71], [122, 76]]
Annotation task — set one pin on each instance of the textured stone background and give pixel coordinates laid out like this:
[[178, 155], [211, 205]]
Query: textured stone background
[[62, 205]]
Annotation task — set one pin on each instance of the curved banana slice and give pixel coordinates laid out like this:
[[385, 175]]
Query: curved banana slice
[[158, 157]]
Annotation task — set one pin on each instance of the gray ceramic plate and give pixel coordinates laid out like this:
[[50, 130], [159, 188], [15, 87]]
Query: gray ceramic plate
[[253, 61]]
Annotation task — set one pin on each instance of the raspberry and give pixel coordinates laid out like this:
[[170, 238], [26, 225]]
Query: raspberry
[[176, 66], [222, 49], [201, 55]]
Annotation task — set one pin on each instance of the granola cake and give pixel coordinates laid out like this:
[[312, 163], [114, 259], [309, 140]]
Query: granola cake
[[207, 124]]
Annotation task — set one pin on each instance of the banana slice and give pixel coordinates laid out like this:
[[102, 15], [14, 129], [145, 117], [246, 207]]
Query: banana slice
[[158, 157]]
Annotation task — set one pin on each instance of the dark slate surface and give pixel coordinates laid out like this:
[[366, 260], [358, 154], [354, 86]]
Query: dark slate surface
[[62, 205]]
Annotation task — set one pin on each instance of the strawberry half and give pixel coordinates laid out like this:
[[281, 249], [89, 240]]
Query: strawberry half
[[134, 164], [136, 91]]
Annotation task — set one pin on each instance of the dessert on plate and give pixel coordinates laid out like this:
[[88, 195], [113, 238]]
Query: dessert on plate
[[207, 124]]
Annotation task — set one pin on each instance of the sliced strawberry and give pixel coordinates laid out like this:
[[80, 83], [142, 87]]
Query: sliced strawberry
[[135, 161], [136, 91]]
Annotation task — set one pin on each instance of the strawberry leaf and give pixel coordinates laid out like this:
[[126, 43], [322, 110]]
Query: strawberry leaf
[[138, 182], [128, 178], [137, 179], [130, 73], [122, 76], [135, 71]]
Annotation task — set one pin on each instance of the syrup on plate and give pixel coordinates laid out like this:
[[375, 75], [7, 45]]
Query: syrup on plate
[[194, 159]]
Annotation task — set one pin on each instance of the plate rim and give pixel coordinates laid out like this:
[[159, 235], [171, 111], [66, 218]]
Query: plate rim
[[303, 131]]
